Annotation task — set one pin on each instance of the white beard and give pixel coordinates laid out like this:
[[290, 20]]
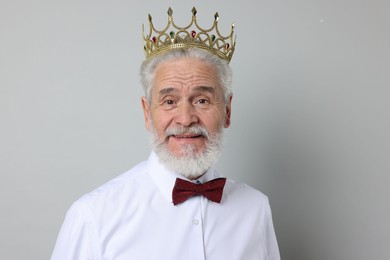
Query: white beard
[[191, 164]]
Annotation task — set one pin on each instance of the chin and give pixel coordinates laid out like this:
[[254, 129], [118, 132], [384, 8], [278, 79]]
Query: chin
[[189, 160], [188, 151]]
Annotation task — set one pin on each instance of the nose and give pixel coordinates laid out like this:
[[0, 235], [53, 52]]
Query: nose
[[186, 114]]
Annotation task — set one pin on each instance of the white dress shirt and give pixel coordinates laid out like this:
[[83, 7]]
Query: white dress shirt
[[133, 217]]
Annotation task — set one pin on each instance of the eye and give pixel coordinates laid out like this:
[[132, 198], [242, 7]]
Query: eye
[[202, 101], [168, 103]]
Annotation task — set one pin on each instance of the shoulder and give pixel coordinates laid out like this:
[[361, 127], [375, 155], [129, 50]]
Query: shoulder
[[240, 187], [83, 222], [120, 187], [135, 174], [245, 194]]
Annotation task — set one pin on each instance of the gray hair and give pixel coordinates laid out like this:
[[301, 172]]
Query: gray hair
[[148, 68]]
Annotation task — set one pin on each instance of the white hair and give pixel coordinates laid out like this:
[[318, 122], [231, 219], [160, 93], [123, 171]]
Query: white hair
[[149, 66], [191, 164]]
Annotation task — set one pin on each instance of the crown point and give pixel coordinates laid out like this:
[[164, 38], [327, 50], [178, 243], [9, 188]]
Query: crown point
[[194, 11], [167, 38], [216, 16], [170, 12]]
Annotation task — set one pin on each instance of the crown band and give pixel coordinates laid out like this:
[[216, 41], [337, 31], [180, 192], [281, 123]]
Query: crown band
[[174, 37]]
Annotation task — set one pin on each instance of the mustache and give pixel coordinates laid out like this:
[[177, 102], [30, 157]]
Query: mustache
[[179, 130]]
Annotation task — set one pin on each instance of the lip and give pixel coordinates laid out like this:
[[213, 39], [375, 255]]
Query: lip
[[184, 136], [187, 138]]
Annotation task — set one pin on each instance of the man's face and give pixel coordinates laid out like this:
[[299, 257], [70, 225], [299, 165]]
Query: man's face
[[185, 93]]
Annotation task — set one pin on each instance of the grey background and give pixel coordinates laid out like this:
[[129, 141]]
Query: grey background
[[310, 118]]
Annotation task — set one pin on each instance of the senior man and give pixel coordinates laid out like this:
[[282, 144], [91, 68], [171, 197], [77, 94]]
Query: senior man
[[175, 205]]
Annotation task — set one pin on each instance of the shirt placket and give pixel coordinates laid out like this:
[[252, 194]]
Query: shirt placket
[[197, 245]]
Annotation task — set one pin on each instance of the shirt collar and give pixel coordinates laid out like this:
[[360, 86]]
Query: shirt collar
[[165, 178]]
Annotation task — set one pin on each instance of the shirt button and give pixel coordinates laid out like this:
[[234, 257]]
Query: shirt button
[[196, 222]]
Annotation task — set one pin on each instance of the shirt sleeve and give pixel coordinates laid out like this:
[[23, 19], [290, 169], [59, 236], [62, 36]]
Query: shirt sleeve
[[271, 241], [77, 237]]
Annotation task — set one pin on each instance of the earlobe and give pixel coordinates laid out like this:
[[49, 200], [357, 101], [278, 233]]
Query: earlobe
[[228, 112], [227, 121], [145, 107]]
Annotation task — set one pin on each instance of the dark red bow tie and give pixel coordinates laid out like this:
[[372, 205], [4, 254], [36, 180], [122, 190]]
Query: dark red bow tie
[[184, 189]]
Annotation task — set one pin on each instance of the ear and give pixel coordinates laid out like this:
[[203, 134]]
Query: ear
[[146, 108], [228, 112]]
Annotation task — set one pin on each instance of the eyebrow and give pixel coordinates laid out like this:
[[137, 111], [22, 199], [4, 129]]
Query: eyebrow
[[211, 90], [166, 91]]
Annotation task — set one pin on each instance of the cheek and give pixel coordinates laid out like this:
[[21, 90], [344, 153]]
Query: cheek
[[160, 121], [214, 121]]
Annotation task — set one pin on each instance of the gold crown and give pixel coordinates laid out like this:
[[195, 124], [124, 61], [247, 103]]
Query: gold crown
[[192, 35]]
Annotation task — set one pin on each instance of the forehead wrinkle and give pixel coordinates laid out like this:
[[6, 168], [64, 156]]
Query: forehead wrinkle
[[173, 79], [175, 74]]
